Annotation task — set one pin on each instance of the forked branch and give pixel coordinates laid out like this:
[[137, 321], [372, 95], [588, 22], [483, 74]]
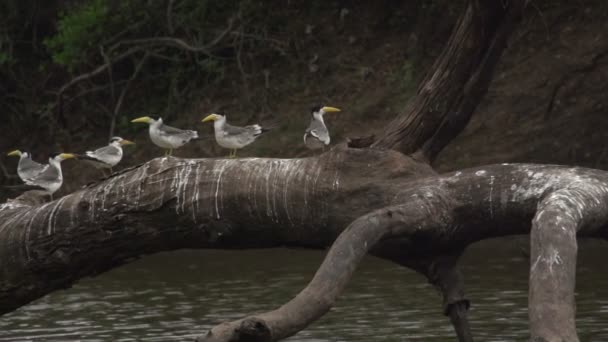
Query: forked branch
[[418, 216]]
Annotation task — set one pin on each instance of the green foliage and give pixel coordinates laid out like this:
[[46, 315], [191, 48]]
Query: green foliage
[[78, 31]]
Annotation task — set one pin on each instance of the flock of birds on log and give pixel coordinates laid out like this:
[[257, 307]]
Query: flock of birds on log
[[49, 176]]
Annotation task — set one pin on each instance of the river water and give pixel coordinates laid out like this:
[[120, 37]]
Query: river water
[[175, 296]]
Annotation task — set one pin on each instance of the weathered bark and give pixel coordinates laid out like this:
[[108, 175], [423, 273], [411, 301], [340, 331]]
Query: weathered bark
[[445, 275], [448, 96], [494, 201], [172, 203], [560, 216]]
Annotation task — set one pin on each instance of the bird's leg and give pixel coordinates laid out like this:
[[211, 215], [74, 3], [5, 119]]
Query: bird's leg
[[166, 152], [111, 171], [234, 153], [170, 152]]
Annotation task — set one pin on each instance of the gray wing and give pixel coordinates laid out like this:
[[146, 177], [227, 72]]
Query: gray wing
[[30, 167], [166, 131], [252, 130], [49, 175], [108, 155], [318, 130], [244, 135], [104, 151]]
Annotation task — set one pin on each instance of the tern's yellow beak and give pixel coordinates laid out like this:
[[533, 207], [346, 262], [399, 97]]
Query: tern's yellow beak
[[15, 153], [330, 109], [65, 156], [211, 117], [126, 142], [144, 119]]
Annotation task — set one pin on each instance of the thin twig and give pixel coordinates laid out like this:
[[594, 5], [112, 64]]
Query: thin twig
[[124, 91]]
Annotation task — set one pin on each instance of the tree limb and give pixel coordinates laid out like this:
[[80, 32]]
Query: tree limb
[[475, 88], [336, 270], [561, 214], [459, 78], [171, 203]]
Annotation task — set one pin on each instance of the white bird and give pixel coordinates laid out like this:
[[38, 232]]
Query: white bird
[[317, 134], [27, 168], [233, 137], [165, 136], [51, 178], [108, 156]]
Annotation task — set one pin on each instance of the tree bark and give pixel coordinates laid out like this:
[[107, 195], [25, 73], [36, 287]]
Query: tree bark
[[459, 78], [170, 203]]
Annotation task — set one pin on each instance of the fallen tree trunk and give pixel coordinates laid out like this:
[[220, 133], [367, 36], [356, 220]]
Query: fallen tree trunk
[[172, 203]]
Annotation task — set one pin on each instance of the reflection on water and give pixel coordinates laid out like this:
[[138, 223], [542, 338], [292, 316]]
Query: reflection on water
[[175, 296]]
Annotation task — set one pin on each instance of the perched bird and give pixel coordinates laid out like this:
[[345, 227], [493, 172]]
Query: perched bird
[[51, 177], [27, 168], [317, 134], [165, 136], [233, 137], [108, 156]]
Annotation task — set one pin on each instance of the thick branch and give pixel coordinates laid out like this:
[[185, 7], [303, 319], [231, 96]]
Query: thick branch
[[171, 203], [416, 217], [460, 76], [553, 257], [475, 88]]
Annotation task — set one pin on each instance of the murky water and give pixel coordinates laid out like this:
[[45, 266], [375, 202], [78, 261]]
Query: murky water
[[175, 296]]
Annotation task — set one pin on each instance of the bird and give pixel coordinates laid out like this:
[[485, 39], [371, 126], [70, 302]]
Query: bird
[[233, 137], [51, 178], [165, 136], [317, 134], [108, 156], [27, 168]]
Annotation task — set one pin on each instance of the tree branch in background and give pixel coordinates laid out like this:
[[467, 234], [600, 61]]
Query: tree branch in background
[[141, 45], [124, 90], [170, 27]]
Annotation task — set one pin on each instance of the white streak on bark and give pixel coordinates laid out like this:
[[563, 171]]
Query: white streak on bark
[[52, 219], [491, 196], [217, 189]]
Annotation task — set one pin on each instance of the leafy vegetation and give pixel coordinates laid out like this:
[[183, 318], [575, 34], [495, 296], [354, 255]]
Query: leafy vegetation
[[77, 32]]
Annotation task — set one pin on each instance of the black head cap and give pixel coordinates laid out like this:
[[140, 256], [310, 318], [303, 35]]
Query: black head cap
[[115, 139], [315, 109], [55, 154]]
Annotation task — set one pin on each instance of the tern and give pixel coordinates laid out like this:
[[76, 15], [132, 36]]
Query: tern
[[108, 156], [51, 177], [27, 168], [233, 137], [317, 134], [165, 136]]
